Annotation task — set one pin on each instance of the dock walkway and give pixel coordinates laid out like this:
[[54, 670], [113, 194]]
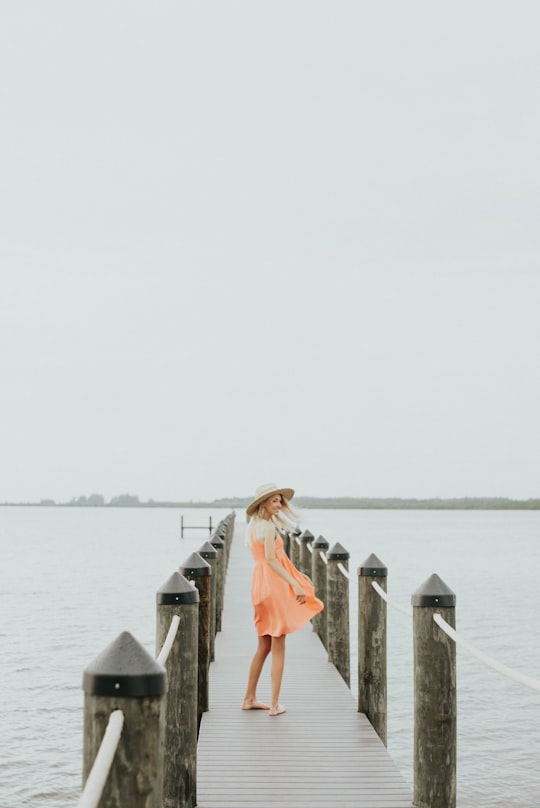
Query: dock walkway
[[321, 752]]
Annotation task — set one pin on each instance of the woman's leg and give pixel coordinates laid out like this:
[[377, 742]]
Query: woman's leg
[[278, 664], [250, 699]]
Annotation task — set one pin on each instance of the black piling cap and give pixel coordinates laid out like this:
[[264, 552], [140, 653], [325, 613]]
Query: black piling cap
[[307, 536], [195, 566], [338, 553], [433, 592], [295, 531], [320, 541], [177, 590], [207, 550], [373, 567], [125, 669], [217, 542]]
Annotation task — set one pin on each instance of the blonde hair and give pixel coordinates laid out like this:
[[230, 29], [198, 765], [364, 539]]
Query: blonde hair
[[286, 519]]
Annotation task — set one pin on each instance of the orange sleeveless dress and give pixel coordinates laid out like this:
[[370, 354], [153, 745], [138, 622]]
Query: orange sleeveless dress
[[276, 609]]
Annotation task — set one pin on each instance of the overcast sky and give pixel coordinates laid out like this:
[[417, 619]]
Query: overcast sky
[[291, 241]]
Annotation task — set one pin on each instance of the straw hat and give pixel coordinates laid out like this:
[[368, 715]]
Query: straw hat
[[265, 491]]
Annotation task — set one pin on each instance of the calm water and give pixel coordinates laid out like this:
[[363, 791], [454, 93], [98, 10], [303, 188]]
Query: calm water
[[73, 579]]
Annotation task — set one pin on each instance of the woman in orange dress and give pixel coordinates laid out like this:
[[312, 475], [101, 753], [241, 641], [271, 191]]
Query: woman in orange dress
[[283, 598]]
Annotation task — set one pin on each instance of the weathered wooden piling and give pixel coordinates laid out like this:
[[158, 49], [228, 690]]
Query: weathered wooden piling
[[319, 576], [230, 520], [434, 697], [226, 531], [305, 552], [179, 597], [286, 539], [126, 677], [219, 545], [197, 570], [295, 547], [209, 553], [224, 534], [337, 598], [372, 667]]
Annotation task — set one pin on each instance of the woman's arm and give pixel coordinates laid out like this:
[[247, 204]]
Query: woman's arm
[[273, 563]]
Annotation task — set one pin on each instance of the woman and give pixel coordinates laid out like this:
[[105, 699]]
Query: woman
[[283, 598]]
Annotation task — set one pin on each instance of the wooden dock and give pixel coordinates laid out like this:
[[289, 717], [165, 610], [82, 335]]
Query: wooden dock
[[322, 752]]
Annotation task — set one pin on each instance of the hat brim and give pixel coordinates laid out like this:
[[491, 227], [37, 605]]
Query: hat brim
[[287, 493]]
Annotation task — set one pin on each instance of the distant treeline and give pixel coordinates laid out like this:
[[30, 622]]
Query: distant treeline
[[360, 503], [395, 503]]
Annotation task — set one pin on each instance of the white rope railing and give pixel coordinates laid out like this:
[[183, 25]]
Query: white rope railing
[[169, 639], [380, 591], [97, 778], [344, 571], [504, 670], [528, 681], [323, 556]]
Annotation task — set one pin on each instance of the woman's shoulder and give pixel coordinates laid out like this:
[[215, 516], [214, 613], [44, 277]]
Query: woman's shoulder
[[263, 529]]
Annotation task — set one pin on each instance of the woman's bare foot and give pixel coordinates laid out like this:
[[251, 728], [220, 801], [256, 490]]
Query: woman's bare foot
[[277, 710], [253, 704]]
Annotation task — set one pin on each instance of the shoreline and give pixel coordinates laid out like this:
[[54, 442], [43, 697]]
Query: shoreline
[[468, 504]]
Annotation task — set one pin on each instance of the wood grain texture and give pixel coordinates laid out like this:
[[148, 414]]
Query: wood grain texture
[[321, 752]]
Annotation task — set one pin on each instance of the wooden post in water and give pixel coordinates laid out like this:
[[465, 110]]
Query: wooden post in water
[[318, 576], [219, 545], [179, 597], [295, 547], [209, 553], [434, 697], [337, 598], [125, 677], [224, 533], [305, 552], [372, 698], [198, 570], [286, 540]]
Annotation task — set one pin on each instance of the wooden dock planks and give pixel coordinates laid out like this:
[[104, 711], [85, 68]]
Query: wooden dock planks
[[322, 752]]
